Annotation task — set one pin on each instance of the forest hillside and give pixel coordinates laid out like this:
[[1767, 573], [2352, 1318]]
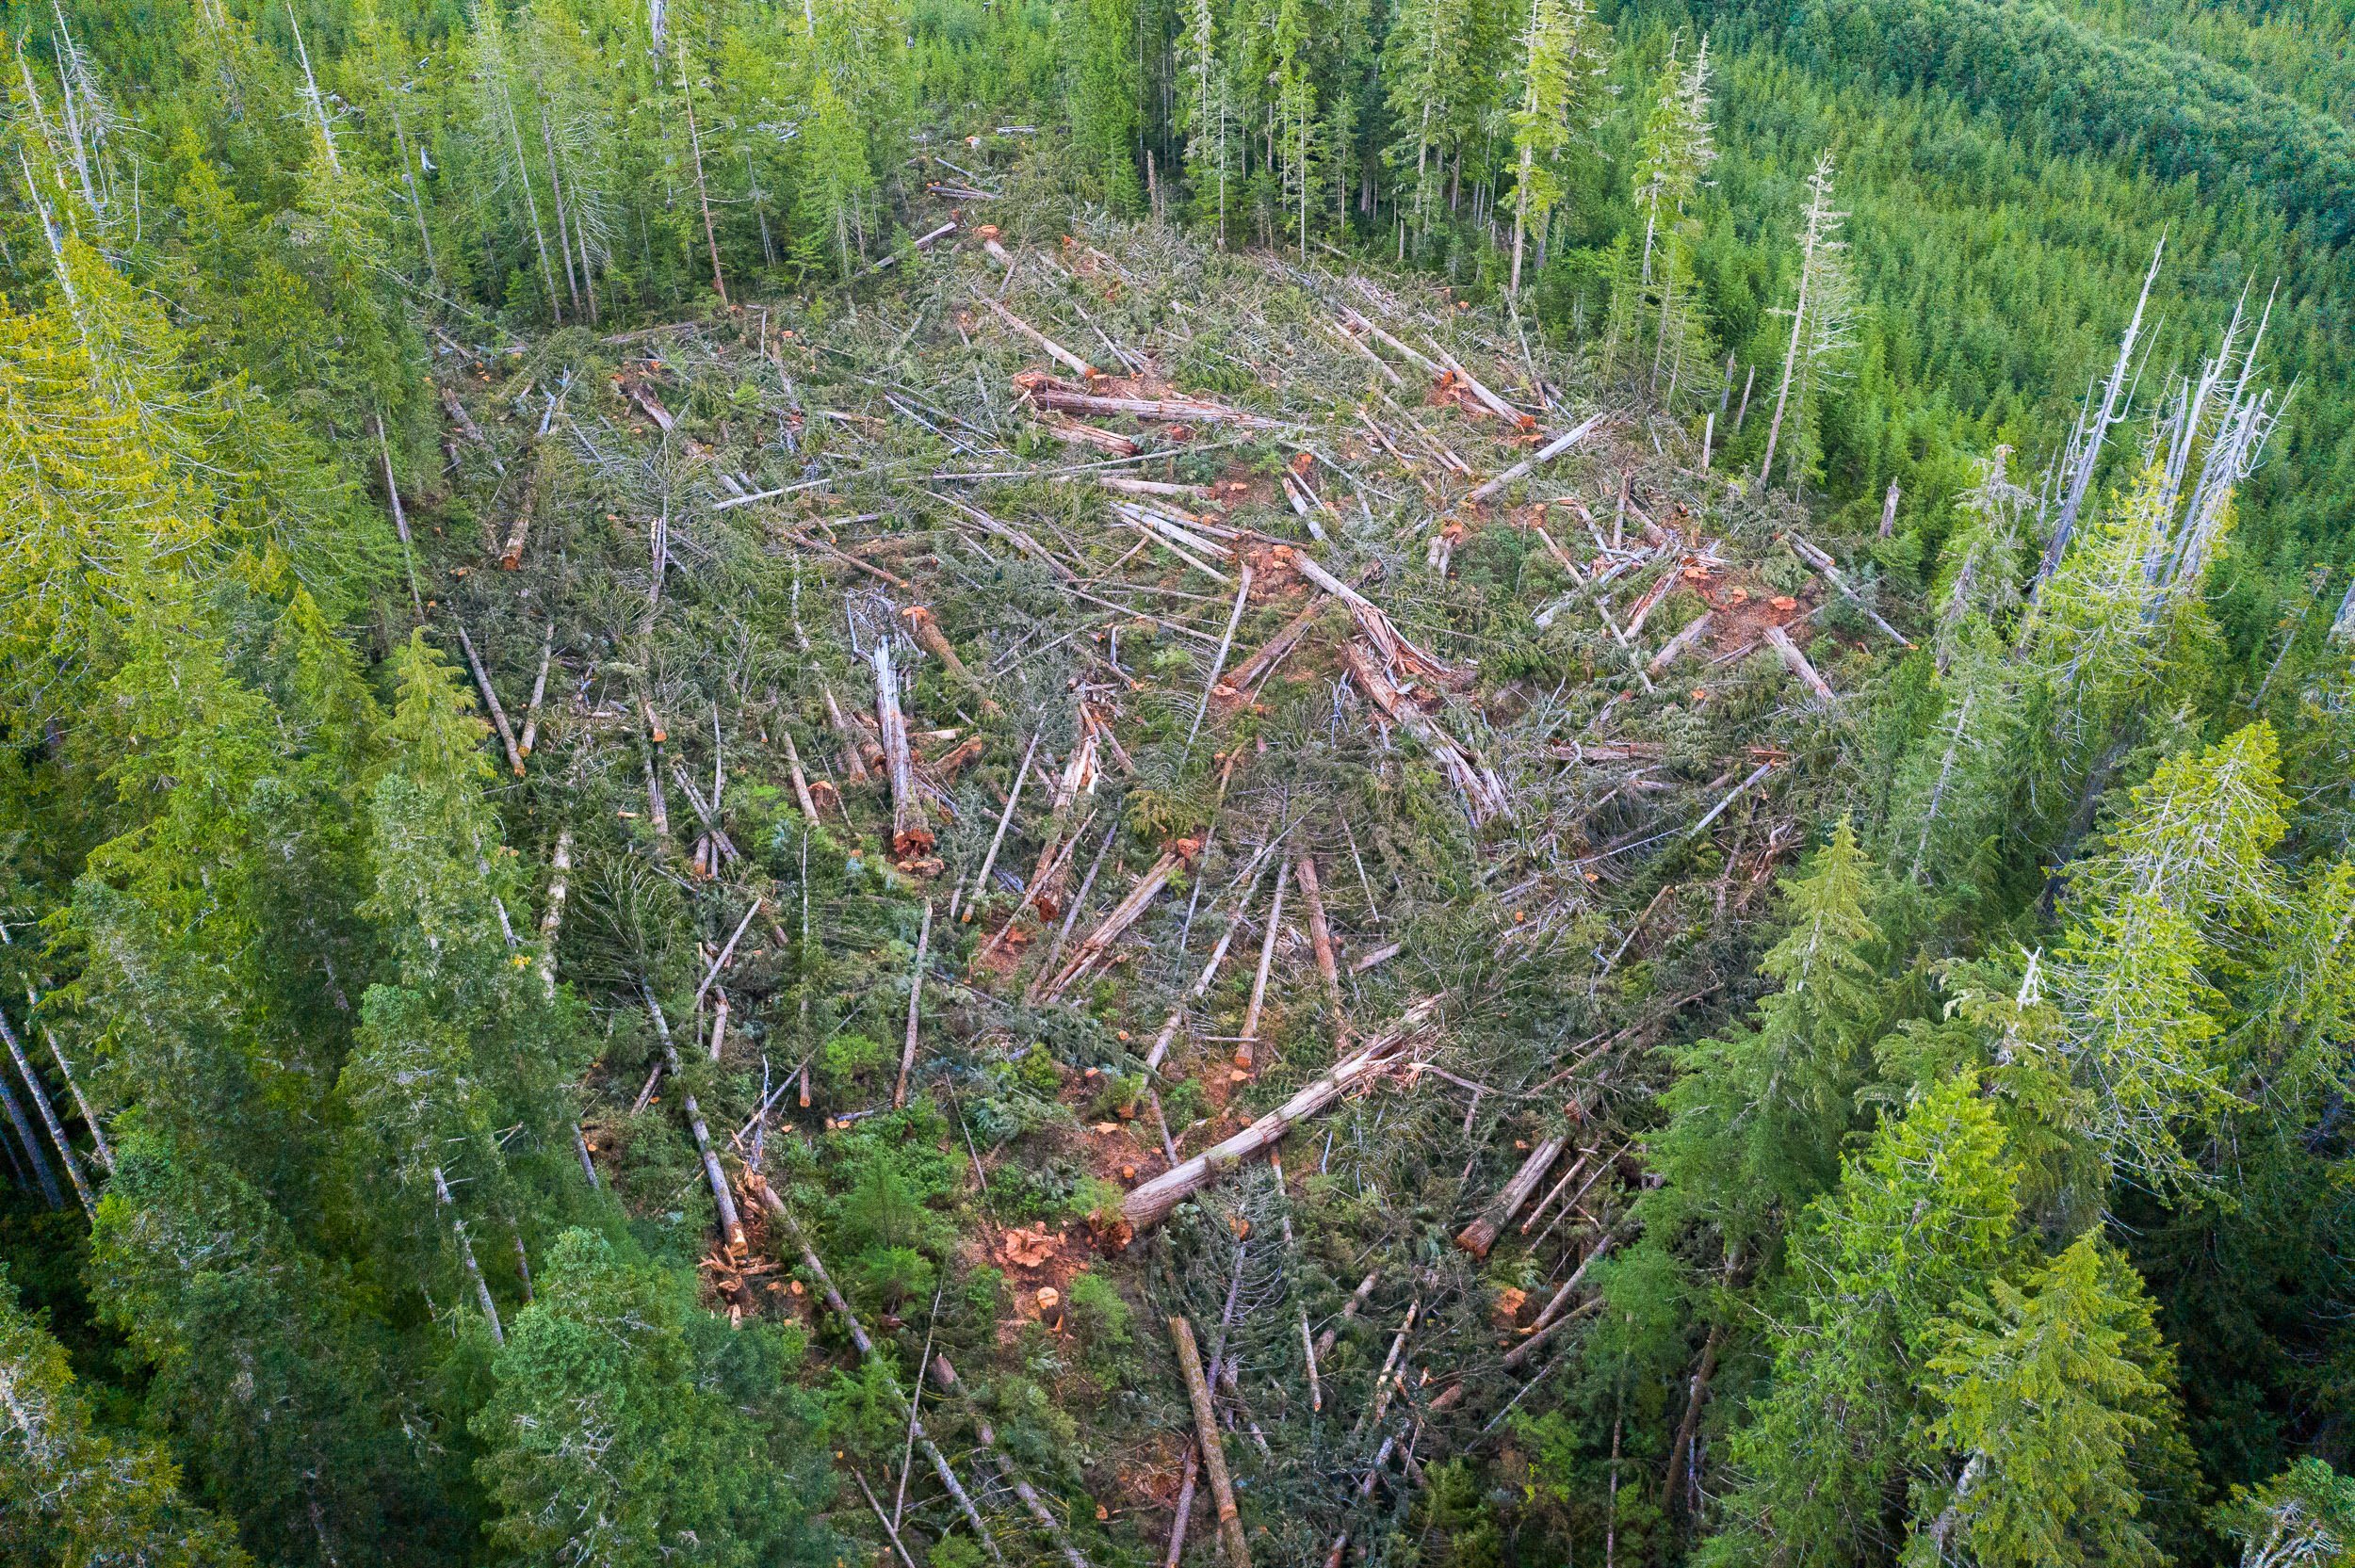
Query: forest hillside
[[959, 782]]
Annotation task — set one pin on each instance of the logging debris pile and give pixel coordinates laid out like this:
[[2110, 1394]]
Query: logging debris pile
[[1132, 820]]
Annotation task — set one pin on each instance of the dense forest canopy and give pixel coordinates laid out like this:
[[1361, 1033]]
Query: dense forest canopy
[[1391, 782]]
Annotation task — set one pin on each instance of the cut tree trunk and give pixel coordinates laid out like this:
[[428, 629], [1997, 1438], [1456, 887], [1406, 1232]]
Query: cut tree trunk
[[1543, 456], [1213, 1452], [1481, 1234], [1150, 1203], [731, 1223], [910, 833], [1321, 941]]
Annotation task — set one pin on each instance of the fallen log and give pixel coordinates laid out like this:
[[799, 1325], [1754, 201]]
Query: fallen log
[[1675, 648], [1481, 1234], [759, 1188], [1124, 914], [925, 627], [1150, 1203], [731, 1223], [1833, 575], [1607, 751], [1796, 663], [1484, 793], [1543, 456], [920, 242], [465, 421], [1056, 352], [1046, 393], [491, 701], [1321, 942], [512, 553], [1213, 1452], [1072, 432], [910, 833]]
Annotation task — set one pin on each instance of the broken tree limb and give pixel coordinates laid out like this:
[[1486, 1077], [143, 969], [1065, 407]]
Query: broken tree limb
[[1213, 1453], [853, 743], [776, 1210], [1218, 662], [910, 833], [980, 877], [1056, 352], [1481, 1234], [916, 994], [1796, 663], [1543, 456], [491, 700], [1150, 1203]]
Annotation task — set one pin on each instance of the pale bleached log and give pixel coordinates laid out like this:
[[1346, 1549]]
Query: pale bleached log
[[539, 692], [1056, 352], [1796, 663], [1046, 393], [491, 701], [1246, 1047], [1543, 456], [1481, 1234], [1398, 652], [910, 833], [1150, 1203], [916, 996], [1676, 646]]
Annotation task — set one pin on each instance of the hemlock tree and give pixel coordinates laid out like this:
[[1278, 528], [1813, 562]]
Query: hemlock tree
[[2057, 1416], [458, 1046], [1676, 150], [71, 1495], [2302, 1518], [1823, 321], [1562, 67], [627, 1425], [1100, 56], [1924, 1215]]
